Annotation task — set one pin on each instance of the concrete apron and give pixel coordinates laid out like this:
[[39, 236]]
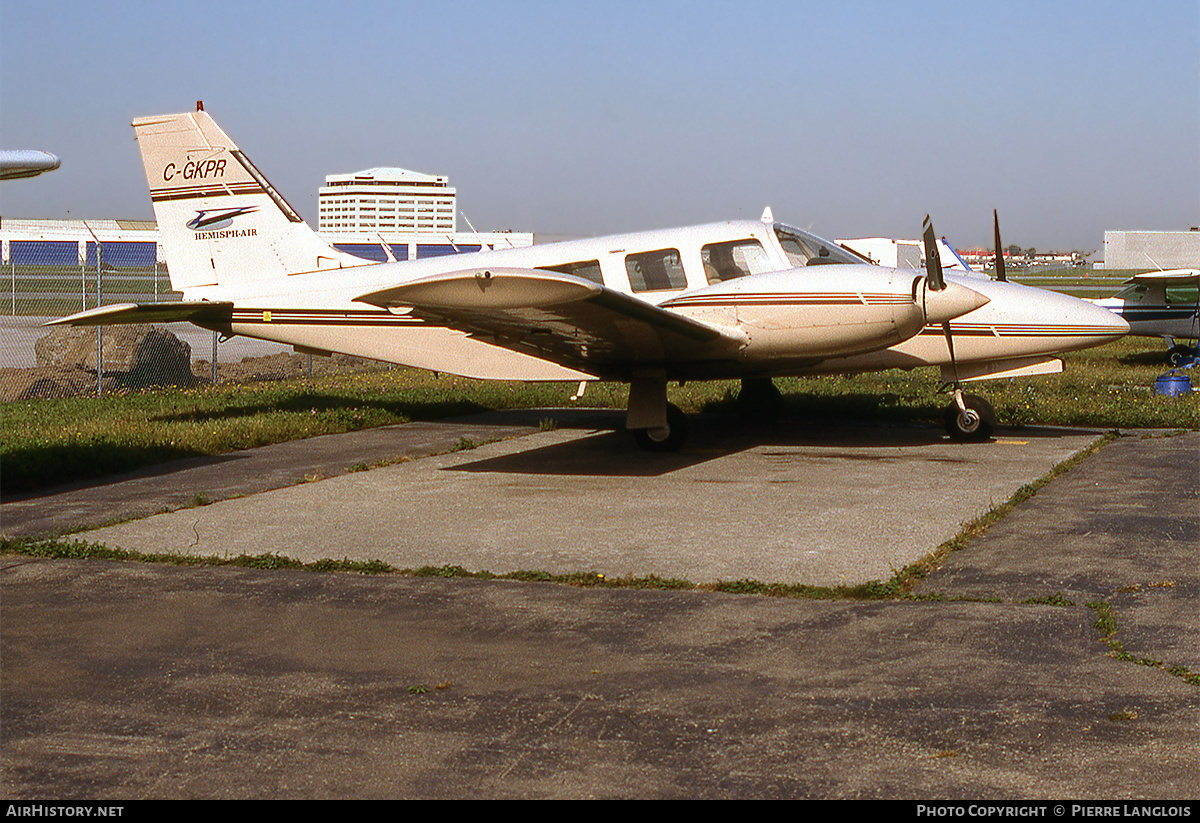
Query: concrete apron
[[822, 506]]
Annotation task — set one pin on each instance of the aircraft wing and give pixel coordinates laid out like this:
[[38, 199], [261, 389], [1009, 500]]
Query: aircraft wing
[[1169, 277], [561, 318], [199, 312]]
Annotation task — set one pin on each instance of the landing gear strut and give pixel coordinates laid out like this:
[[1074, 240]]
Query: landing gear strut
[[969, 418], [656, 424]]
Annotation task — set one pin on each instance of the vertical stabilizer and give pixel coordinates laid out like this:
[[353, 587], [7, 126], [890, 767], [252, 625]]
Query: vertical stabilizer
[[220, 222]]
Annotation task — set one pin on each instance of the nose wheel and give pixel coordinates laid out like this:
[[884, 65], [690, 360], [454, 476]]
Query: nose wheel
[[970, 418]]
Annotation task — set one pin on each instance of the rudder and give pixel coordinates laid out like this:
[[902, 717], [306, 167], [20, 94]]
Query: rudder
[[220, 222]]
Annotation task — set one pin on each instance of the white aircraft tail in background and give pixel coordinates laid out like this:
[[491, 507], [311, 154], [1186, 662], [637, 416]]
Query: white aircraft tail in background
[[747, 299], [907, 254]]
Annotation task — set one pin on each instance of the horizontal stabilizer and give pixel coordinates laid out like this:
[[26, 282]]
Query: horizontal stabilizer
[[559, 317], [200, 312]]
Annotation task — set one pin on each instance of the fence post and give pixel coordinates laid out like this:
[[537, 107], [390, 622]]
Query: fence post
[[83, 277], [99, 329]]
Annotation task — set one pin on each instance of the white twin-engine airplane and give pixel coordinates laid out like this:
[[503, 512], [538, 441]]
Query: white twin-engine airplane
[[744, 299]]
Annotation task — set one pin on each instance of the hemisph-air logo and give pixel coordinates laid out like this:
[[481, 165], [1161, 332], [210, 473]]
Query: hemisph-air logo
[[211, 219]]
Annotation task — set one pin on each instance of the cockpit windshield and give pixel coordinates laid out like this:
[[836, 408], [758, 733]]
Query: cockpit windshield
[[1132, 294], [805, 249]]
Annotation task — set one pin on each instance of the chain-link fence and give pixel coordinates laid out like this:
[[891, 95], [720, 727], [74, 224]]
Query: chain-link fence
[[44, 279]]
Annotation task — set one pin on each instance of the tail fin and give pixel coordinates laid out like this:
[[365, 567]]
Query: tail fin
[[220, 222]]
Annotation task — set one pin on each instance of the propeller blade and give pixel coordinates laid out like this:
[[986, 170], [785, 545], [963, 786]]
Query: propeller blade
[[999, 251], [936, 282], [933, 259]]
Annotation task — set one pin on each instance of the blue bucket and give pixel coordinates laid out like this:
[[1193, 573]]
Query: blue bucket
[[1173, 384]]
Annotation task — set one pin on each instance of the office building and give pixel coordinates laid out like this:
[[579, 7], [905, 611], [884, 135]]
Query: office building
[[388, 200]]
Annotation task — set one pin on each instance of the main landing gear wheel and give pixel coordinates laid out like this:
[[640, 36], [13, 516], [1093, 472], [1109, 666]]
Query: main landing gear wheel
[[1178, 355], [669, 439], [976, 425], [759, 399]]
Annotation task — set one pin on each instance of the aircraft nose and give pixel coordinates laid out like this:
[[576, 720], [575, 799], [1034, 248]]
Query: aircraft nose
[[1072, 322], [953, 301], [1107, 323]]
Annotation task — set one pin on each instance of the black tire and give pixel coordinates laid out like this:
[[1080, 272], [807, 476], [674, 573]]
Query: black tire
[[1178, 355], [759, 399], [979, 424], [655, 440]]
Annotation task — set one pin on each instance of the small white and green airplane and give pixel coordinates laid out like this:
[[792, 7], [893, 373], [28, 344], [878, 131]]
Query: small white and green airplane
[[748, 299], [1162, 304]]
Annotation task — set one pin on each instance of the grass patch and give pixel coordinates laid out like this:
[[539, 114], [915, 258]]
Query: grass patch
[[51, 441], [1055, 599], [80, 549], [1106, 626]]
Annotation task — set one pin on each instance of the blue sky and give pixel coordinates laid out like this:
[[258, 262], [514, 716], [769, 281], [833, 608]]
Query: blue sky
[[853, 118]]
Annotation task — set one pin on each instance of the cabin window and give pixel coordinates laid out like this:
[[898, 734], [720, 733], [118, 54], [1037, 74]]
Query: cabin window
[[739, 258], [587, 269], [1182, 294], [660, 270]]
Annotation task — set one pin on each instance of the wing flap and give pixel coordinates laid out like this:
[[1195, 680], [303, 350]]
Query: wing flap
[[560, 318]]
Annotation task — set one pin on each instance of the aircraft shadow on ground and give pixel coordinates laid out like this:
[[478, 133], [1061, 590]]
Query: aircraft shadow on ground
[[614, 454], [182, 460], [1155, 357]]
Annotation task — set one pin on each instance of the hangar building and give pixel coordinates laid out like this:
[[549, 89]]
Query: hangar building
[[133, 244], [1149, 250]]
